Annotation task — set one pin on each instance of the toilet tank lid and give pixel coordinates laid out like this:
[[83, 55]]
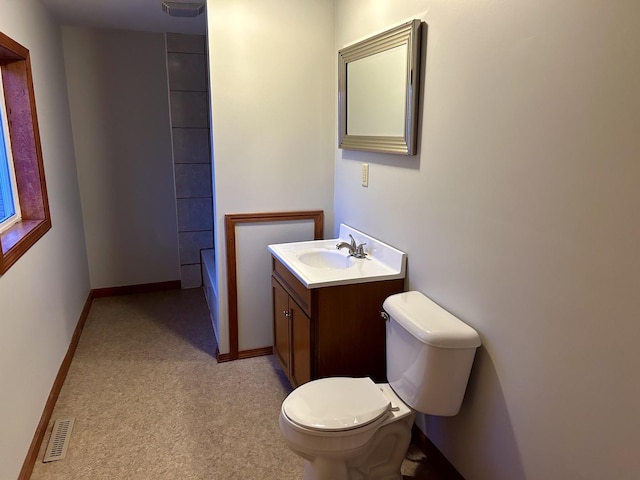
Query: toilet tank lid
[[429, 322]]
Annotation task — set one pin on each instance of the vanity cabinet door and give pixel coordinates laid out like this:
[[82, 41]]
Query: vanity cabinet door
[[300, 345], [281, 316]]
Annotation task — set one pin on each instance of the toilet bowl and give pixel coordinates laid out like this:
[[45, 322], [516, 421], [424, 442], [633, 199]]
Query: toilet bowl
[[347, 428], [354, 429]]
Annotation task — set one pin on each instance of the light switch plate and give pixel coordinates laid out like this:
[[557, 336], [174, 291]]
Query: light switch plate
[[365, 174]]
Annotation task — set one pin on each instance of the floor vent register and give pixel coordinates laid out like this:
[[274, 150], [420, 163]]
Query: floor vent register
[[59, 441]]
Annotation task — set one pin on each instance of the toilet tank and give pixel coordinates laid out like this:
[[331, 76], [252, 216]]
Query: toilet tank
[[429, 353]]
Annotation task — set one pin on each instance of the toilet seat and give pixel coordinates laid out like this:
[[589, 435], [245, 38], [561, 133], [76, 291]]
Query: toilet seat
[[336, 404]]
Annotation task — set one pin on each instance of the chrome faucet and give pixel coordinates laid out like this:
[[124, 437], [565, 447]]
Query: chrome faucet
[[354, 251]]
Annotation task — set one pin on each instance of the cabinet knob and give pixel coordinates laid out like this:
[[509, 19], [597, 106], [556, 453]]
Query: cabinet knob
[[287, 313]]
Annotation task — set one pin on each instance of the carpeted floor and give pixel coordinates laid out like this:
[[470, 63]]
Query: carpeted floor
[[152, 403]]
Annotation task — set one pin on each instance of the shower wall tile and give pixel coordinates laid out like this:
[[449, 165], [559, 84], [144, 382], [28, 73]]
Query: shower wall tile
[[194, 214], [187, 72], [180, 42], [191, 145], [189, 103], [191, 243], [189, 109], [191, 276], [193, 180]]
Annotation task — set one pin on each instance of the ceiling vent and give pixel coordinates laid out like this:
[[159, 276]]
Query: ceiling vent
[[183, 9]]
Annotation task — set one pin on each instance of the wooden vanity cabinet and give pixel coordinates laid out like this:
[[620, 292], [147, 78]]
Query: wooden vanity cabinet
[[329, 331], [291, 336]]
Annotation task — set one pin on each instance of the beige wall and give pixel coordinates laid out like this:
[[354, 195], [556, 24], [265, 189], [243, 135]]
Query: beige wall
[[118, 97], [272, 83], [42, 295], [520, 216]]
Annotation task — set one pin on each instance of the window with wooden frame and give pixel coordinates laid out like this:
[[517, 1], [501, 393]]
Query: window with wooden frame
[[24, 208]]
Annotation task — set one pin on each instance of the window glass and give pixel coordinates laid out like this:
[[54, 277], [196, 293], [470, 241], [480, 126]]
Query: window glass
[[9, 210]]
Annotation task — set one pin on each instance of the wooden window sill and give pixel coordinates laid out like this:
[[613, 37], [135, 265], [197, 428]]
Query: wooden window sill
[[17, 239]]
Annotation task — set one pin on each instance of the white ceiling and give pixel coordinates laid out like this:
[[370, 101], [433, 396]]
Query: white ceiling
[[141, 15]]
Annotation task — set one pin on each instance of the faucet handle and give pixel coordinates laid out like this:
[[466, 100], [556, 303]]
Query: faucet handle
[[353, 241], [360, 253]]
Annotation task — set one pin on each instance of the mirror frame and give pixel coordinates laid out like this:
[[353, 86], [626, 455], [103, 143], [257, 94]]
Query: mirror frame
[[409, 34]]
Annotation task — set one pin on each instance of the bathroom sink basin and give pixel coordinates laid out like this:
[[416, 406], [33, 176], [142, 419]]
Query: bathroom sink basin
[[324, 258], [318, 263]]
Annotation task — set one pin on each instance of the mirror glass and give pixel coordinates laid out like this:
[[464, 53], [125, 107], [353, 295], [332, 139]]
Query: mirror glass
[[376, 86], [378, 81]]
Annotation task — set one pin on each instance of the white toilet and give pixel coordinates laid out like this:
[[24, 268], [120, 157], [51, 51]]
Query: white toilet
[[351, 428]]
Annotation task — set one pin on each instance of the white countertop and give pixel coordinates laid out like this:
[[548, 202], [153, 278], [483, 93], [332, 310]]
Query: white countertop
[[383, 262]]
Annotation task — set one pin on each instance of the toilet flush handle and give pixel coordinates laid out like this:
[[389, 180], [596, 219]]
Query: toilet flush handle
[[385, 316]]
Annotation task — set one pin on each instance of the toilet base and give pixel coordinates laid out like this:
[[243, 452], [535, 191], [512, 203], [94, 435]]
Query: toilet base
[[321, 468], [379, 459]]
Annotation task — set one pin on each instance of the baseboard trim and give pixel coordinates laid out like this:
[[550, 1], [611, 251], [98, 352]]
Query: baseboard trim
[[222, 357], [255, 352], [434, 456], [34, 448], [131, 289]]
